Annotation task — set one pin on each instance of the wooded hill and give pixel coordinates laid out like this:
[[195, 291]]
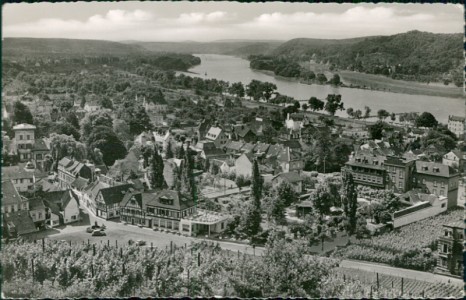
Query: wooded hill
[[39, 46], [413, 55]]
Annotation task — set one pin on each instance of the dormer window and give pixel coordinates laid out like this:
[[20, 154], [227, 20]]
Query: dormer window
[[436, 170]]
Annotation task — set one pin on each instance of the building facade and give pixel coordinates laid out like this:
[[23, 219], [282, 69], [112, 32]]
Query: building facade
[[69, 170], [456, 125], [450, 249], [24, 140]]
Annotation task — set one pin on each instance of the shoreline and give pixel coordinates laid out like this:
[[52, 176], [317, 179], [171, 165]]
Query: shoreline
[[397, 89]]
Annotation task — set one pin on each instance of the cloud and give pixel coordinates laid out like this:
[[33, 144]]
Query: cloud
[[118, 24]]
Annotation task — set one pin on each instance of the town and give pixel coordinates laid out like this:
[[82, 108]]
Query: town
[[127, 174]]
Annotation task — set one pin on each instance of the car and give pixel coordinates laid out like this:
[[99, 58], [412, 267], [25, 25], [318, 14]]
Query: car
[[140, 242], [99, 233], [89, 230]]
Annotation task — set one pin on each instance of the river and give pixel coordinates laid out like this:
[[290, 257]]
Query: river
[[235, 69]]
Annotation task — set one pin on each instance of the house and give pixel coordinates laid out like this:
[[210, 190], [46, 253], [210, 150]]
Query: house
[[133, 209], [202, 128], [292, 178], [454, 159], [437, 179], [233, 148], [356, 133], [222, 165], [12, 201], [64, 204], [152, 107], [296, 121], [207, 150], [91, 106], [132, 163], [450, 248], [144, 138], [24, 140], [456, 124], [243, 165], [39, 151], [163, 138], [261, 149], [290, 160], [165, 209], [290, 134], [248, 148], [217, 136], [17, 224], [245, 133], [70, 169], [22, 176], [421, 206], [107, 200], [37, 211], [304, 208]]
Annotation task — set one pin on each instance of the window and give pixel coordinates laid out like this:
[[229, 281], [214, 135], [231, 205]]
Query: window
[[73, 218], [435, 182], [441, 193], [28, 137], [443, 205], [434, 191], [445, 248], [222, 226], [20, 137]]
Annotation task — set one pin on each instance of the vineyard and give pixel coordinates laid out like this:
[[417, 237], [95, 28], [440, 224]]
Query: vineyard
[[58, 269], [391, 287], [410, 246]]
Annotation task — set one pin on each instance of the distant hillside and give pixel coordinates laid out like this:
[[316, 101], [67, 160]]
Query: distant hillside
[[40, 46], [241, 48], [413, 55]]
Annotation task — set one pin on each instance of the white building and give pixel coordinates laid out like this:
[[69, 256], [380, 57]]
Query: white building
[[456, 125]]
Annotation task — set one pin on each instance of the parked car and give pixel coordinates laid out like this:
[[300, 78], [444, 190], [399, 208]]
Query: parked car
[[99, 233], [89, 230], [140, 242]]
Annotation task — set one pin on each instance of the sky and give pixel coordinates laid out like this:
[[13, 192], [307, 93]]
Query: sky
[[210, 21]]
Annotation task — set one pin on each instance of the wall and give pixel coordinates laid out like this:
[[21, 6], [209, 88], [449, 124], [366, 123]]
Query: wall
[[421, 214]]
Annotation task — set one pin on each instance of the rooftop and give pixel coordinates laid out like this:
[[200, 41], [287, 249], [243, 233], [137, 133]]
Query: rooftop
[[206, 217], [24, 126], [433, 168]]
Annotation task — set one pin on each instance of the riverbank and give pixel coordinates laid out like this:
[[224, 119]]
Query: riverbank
[[380, 83]]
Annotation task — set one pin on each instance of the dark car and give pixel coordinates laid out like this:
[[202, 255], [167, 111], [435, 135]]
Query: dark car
[[89, 230], [140, 242], [99, 233]]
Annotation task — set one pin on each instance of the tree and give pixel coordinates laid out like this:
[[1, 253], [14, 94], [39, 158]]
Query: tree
[[107, 141], [393, 117], [21, 113], [62, 145], [382, 114], [335, 79], [361, 229], [66, 128], [322, 200], [237, 89], [316, 104], [305, 107], [426, 119], [349, 199], [286, 194], [333, 104], [357, 114], [180, 152], [350, 112], [169, 151], [256, 184], [156, 167], [376, 130], [250, 222], [367, 112], [275, 209], [121, 128], [139, 121], [105, 102], [72, 119], [187, 174], [93, 120], [321, 78]]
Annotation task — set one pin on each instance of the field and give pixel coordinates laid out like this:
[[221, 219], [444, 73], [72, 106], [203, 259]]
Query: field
[[410, 246], [382, 83]]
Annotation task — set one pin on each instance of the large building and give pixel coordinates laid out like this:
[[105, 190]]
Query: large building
[[24, 140], [456, 125], [437, 179], [368, 169], [399, 173], [218, 136]]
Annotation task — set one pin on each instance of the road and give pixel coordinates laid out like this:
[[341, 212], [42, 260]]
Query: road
[[120, 233]]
